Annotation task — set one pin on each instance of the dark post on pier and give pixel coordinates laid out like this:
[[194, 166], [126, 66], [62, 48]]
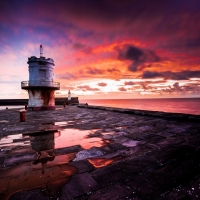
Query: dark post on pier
[[22, 115]]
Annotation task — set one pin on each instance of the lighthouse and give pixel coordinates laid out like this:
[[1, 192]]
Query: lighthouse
[[69, 95], [41, 86]]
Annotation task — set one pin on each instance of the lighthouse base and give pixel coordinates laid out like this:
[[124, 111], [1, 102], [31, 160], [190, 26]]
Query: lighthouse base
[[41, 99]]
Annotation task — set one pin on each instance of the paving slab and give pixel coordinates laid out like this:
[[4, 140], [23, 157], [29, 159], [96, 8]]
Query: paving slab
[[30, 195], [148, 185], [114, 192], [109, 175], [82, 166], [80, 184], [176, 195], [136, 165]]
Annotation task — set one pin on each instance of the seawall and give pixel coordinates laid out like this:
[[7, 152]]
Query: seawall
[[158, 114], [58, 101]]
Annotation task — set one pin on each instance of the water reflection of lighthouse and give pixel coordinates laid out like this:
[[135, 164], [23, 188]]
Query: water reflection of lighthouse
[[41, 86], [44, 145]]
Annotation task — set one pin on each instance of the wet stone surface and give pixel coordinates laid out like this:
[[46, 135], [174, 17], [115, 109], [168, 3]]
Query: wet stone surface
[[91, 152]]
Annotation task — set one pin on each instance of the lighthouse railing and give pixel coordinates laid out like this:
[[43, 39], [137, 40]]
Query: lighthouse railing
[[26, 84]]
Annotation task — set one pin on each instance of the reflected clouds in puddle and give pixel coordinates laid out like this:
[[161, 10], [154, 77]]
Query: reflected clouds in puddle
[[102, 162], [54, 140]]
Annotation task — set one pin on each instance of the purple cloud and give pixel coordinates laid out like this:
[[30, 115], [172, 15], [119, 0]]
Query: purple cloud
[[138, 56], [122, 89], [87, 88], [94, 71], [69, 76], [177, 86], [183, 75], [129, 83], [102, 84]]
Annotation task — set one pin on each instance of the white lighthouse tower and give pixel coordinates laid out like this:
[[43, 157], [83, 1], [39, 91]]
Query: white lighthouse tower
[[69, 95], [41, 86]]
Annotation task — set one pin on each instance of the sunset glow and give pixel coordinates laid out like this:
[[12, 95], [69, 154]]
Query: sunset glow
[[104, 49]]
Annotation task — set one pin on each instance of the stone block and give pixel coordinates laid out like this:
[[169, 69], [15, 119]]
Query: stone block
[[29, 195], [112, 148], [176, 195], [79, 185], [140, 164], [148, 185], [82, 166], [171, 152], [109, 175], [191, 190], [114, 192], [182, 170], [53, 189]]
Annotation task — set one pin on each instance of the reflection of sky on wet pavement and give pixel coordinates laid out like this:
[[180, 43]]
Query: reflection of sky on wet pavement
[[71, 137], [61, 139], [102, 162], [31, 160]]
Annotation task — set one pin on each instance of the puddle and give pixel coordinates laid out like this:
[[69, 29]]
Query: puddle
[[54, 140], [102, 162], [3, 121], [64, 123], [29, 161], [120, 127], [72, 137], [24, 176], [61, 123], [51, 160], [13, 140]]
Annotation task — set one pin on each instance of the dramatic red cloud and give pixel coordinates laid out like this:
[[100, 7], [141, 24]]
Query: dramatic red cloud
[[104, 47]]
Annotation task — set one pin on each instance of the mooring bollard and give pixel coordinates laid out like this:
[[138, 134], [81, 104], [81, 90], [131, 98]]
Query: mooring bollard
[[22, 115], [64, 104], [26, 106]]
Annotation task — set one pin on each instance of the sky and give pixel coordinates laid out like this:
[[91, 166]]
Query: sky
[[104, 49]]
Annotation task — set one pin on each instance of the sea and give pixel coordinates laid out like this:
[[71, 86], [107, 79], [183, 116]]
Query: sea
[[173, 105]]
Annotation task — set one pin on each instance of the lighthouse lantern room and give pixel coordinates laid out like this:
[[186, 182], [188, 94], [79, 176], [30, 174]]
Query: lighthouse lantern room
[[41, 86]]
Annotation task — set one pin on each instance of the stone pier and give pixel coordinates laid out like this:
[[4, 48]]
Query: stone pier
[[92, 152]]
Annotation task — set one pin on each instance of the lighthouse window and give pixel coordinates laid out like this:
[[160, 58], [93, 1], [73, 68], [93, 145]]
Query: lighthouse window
[[42, 74], [41, 63]]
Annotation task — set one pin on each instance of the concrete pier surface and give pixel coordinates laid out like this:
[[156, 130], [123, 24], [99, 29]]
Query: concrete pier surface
[[91, 152]]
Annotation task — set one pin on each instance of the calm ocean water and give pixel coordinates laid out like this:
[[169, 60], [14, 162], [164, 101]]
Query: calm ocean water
[[180, 105]]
